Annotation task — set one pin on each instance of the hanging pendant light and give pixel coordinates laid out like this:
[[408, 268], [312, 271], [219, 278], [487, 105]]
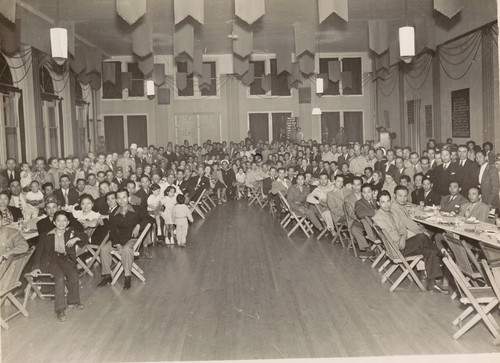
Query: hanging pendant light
[[59, 44], [407, 43], [150, 89]]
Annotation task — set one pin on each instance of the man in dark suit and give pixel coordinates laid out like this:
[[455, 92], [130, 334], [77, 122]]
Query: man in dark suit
[[47, 224], [119, 180], [445, 173], [188, 183], [344, 157], [9, 213], [202, 183], [451, 203], [467, 170], [365, 207], [428, 196], [144, 191], [65, 195], [389, 166], [132, 198], [11, 173], [491, 184], [400, 169]]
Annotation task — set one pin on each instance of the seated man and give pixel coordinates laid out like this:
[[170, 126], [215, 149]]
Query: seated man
[[124, 224], [56, 254], [363, 208], [11, 242], [475, 207], [319, 196], [281, 184], [296, 197], [357, 228], [451, 203], [399, 207], [408, 243], [335, 198], [427, 196]]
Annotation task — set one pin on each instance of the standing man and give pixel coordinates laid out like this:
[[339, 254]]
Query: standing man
[[444, 173], [467, 170]]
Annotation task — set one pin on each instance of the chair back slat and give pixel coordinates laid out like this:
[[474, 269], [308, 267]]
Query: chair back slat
[[368, 226], [348, 218], [285, 202], [138, 243], [392, 252], [461, 257], [492, 254], [10, 278]]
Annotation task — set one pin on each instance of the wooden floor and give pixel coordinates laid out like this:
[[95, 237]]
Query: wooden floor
[[243, 290]]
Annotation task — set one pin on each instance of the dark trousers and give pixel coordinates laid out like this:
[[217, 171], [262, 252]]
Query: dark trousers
[[65, 274], [421, 244]]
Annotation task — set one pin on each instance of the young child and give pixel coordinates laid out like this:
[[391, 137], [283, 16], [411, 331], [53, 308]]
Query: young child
[[240, 183], [34, 201], [181, 215], [169, 201], [155, 207], [26, 176]]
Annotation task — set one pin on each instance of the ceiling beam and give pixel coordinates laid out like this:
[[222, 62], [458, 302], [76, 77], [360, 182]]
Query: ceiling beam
[[53, 22]]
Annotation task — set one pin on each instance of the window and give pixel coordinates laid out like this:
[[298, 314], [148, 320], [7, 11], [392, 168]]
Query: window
[[110, 90], [213, 81], [189, 90], [330, 88], [279, 83], [352, 65], [256, 86], [137, 80], [11, 126]]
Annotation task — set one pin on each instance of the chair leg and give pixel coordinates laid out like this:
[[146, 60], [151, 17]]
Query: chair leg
[[18, 305], [389, 272], [377, 260], [138, 274], [293, 229], [384, 265], [4, 324], [476, 318], [117, 275], [463, 316], [84, 267]]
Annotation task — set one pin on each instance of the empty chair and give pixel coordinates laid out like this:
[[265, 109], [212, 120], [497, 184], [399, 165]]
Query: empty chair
[[465, 260], [301, 222]]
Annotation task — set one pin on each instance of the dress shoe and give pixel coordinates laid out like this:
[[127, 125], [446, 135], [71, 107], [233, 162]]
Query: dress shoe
[[437, 288], [127, 284], [76, 306], [61, 315], [106, 279]]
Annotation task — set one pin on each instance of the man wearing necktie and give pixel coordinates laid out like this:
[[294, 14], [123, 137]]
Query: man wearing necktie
[[451, 203], [467, 171], [9, 174]]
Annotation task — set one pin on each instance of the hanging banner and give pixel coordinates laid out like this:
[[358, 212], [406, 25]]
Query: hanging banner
[[424, 35], [159, 74], [84, 78], [95, 80], [70, 27], [109, 72], [10, 35], [334, 71], [266, 82], [346, 79], [193, 8], [306, 62], [196, 65], [93, 60], [449, 8], [382, 61], [146, 65], [77, 63], [240, 65], [163, 96], [184, 40], [328, 7], [243, 45], [8, 10], [394, 52], [206, 77], [378, 35], [131, 10], [283, 60], [181, 81], [249, 77], [142, 39], [305, 38], [249, 11], [126, 80], [35, 31], [296, 79]]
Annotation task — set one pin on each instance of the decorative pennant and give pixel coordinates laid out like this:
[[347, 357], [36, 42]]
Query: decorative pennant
[[95, 80], [163, 96], [378, 34], [70, 27], [306, 62], [304, 95], [424, 35], [206, 77], [249, 11], [249, 77], [84, 78], [184, 58], [283, 60], [334, 71], [8, 10], [181, 80], [10, 35], [146, 65], [328, 7], [266, 82], [243, 45], [196, 65], [449, 8], [346, 79], [193, 8], [394, 52], [142, 39], [109, 72], [159, 74], [305, 38], [296, 77], [184, 39], [205, 87], [126, 80], [93, 60], [240, 65], [131, 10], [35, 31], [382, 61]]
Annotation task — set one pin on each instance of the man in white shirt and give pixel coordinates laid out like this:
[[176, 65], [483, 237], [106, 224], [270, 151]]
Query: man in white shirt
[[327, 155], [319, 196]]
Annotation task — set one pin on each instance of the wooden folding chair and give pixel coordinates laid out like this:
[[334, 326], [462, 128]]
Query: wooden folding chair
[[376, 242], [301, 222], [325, 229], [136, 270], [10, 281], [94, 251], [351, 238], [340, 227], [396, 258], [256, 196], [480, 300], [465, 259], [493, 274], [194, 206], [36, 284]]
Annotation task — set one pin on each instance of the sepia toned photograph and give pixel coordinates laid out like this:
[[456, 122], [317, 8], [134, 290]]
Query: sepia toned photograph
[[249, 180]]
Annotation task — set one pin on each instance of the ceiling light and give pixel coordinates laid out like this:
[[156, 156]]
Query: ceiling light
[[59, 44], [407, 43], [316, 111]]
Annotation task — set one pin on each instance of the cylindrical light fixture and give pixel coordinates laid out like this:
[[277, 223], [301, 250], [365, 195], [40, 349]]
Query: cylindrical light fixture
[[316, 111], [407, 43], [319, 85], [59, 44], [150, 89]]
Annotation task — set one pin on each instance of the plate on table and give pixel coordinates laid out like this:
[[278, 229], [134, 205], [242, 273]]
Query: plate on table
[[472, 221]]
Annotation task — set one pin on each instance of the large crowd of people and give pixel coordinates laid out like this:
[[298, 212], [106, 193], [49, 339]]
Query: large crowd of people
[[81, 199]]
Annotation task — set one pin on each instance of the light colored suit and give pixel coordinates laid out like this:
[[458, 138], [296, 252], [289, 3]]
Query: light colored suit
[[279, 186], [392, 227], [335, 201], [479, 210]]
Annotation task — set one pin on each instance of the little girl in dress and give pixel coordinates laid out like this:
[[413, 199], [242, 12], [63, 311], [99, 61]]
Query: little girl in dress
[[181, 215], [34, 201], [26, 176], [169, 201], [155, 207]]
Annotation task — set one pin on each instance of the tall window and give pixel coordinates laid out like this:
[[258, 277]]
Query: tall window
[[213, 81], [50, 107], [353, 86], [330, 88], [189, 90], [279, 83], [256, 86], [137, 80]]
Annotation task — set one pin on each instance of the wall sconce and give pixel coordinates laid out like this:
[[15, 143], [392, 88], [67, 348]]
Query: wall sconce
[[59, 44], [319, 85], [150, 89], [316, 111]]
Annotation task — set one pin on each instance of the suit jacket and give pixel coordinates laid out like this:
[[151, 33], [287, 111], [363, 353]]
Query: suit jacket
[[467, 175], [199, 184], [121, 226], [45, 254], [480, 211], [278, 186], [187, 186], [404, 217], [121, 185], [379, 164], [431, 199], [143, 195], [73, 197], [335, 201], [343, 159], [454, 205], [443, 178], [393, 227], [45, 225], [297, 198], [267, 185], [5, 178], [350, 202], [101, 205], [17, 214], [398, 174], [392, 170], [364, 209], [490, 186]]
